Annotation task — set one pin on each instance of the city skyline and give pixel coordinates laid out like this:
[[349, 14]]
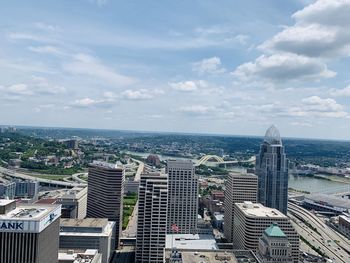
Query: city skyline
[[123, 64]]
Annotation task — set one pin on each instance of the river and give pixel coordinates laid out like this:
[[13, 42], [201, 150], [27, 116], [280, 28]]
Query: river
[[310, 184]]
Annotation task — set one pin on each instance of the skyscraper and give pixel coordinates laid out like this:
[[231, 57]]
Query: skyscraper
[[182, 196], [28, 232], [239, 188], [152, 218], [272, 170], [105, 193]]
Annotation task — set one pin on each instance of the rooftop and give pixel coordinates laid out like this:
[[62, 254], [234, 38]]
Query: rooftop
[[212, 256], [31, 212], [4, 202], [104, 165], [87, 222], [274, 231], [258, 210], [88, 256], [183, 241]]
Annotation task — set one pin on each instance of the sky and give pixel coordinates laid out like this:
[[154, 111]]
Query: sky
[[199, 66]]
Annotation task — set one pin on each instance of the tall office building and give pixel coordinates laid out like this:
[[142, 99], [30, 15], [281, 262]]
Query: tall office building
[[183, 196], [28, 233], [105, 193], [251, 220], [272, 170], [152, 218], [239, 188]]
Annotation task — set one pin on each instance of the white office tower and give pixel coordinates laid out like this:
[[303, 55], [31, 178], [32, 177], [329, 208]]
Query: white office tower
[[183, 196], [274, 246], [28, 233], [239, 188], [272, 170], [251, 220], [105, 193], [152, 218]]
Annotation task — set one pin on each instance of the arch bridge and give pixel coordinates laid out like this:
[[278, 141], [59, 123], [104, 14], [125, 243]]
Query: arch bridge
[[206, 158]]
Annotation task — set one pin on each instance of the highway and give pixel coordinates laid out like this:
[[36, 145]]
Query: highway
[[15, 174], [324, 237], [139, 169]]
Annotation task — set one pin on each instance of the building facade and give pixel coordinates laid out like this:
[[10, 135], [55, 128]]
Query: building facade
[[89, 233], [152, 218], [252, 219], [239, 188], [105, 193], [28, 233], [182, 196], [27, 189], [272, 170], [74, 203], [7, 189], [274, 246]]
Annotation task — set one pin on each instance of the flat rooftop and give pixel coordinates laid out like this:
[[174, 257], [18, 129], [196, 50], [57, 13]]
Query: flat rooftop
[[104, 165], [198, 241], [79, 256], [258, 210], [4, 202], [331, 200], [212, 256], [86, 227], [87, 222], [32, 212]]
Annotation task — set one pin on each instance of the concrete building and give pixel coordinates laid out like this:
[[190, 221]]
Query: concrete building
[[105, 193], [272, 170], [131, 187], [27, 189], [252, 219], [7, 189], [239, 188], [183, 196], [89, 233], [87, 256], [28, 233], [274, 246], [152, 218], [190, 255], [74, 202], [344, 225]]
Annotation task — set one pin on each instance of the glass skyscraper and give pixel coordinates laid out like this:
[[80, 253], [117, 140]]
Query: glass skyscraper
[[272, 171]]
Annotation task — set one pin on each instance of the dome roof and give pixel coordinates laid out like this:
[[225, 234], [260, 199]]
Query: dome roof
[[272, 136]]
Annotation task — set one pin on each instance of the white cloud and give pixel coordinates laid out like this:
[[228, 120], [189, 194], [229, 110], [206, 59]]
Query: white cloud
[[189, 85], [345, 92], [321, 30], [47, 27], [46, 50], [88, 103], [141, 94], [17, 89], [197, 109], [84, 64], [209, 65], [283, 67]]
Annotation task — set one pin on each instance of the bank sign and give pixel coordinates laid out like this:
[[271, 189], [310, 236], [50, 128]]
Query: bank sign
[[11, 226]]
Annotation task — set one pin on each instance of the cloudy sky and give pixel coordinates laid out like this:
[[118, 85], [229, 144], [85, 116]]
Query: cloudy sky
[[233, 67]]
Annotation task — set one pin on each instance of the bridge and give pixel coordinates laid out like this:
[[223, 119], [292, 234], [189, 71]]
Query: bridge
[[220, 160]]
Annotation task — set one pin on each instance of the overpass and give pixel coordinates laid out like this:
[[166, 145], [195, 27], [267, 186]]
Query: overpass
[[49, 182]]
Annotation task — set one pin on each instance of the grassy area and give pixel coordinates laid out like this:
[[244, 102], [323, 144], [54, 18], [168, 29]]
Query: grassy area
[[129, 203], [50, 177]]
